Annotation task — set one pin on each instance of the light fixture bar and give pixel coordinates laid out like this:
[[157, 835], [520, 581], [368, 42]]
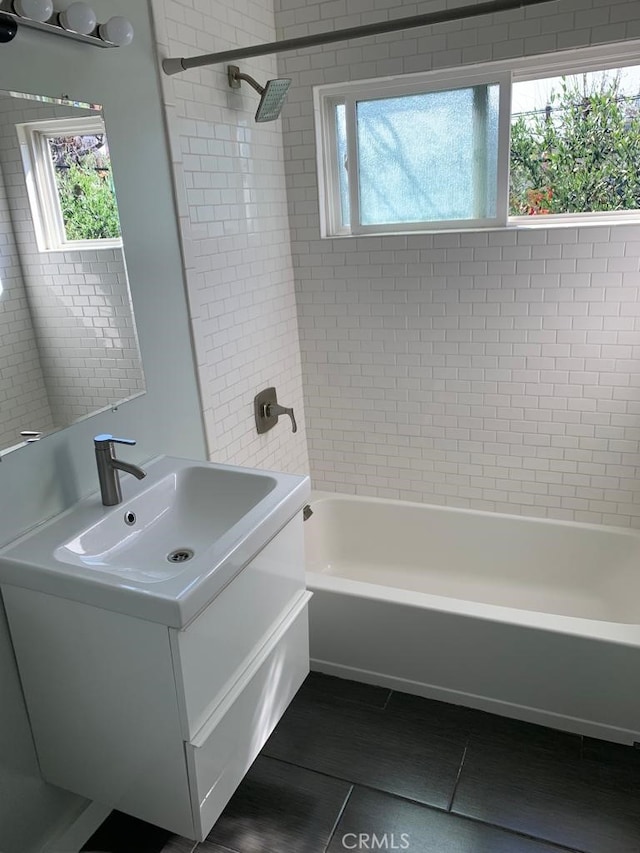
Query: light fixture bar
[[52, 26], [174, 66]]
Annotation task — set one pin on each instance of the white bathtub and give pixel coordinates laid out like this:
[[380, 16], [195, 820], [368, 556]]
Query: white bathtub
[[533, 619]]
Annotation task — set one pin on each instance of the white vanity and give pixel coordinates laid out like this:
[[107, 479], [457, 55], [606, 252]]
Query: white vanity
[[160, 641]]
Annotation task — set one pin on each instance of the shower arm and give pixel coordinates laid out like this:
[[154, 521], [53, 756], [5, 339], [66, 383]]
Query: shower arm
[[235, 76], [175, 66]]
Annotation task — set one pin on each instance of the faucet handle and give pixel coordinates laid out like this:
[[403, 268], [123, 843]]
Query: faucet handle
[[104, 438], [275, 410]]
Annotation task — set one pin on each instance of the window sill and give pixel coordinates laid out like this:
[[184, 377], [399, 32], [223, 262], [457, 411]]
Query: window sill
[[520, 223], [83, 246]]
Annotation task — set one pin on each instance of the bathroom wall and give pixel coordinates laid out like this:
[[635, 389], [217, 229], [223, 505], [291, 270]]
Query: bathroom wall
[[23, 395], [231, 194], [494, 370], [42, 479], [79, 300]]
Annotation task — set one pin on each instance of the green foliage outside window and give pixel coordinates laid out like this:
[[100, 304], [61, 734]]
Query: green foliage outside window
[[581, 154], [85, 188]]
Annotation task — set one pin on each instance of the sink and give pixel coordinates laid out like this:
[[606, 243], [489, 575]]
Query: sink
[[153, 536], [179, 536]]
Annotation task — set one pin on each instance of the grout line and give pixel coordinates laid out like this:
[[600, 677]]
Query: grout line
[[339, 818], [459, 773], [387, 700], [364, 785]]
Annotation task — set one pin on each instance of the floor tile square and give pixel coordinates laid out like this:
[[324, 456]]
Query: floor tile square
[[278, 808], [411, 757], [584, 804]]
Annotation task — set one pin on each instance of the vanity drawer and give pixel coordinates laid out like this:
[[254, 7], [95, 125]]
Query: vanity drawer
[[221, 753], [211, 652]]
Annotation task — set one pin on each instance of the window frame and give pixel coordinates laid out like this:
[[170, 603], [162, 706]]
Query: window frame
[[506, 73], [41, 181]]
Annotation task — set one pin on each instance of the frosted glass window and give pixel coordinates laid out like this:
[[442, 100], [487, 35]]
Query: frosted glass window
[[428, 157]]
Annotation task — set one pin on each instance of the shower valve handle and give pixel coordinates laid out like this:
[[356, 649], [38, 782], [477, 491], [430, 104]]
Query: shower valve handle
[[267, 410], [275, 409]]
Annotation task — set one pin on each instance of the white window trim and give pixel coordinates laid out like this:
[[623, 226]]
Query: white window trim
[[505, 72], [41, 182], [327, 157]]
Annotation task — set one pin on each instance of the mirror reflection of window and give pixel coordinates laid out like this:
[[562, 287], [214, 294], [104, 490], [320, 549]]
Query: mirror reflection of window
[[70, 183], [68, 341], [86, 195]]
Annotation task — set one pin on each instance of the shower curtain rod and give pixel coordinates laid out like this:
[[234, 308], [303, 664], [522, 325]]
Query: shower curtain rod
[[174, 66]]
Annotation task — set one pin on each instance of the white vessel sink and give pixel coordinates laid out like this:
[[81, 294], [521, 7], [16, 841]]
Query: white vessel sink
[[179, 536]]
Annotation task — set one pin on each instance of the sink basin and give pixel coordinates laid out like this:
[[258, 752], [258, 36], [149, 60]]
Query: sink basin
[[179, 536], [173, 520]]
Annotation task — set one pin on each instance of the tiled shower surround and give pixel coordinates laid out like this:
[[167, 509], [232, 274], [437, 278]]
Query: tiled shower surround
[[495, 370], [232, 205]]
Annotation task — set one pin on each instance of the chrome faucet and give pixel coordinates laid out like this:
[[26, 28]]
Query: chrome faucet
[[109, 465]]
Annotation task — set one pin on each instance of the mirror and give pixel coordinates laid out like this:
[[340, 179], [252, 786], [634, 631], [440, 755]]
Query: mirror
[[68, 341]]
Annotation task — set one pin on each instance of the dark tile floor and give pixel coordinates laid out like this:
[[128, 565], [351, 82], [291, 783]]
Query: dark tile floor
[[355, 767]]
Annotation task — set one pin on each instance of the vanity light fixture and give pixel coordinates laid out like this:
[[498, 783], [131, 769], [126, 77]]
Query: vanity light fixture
[[78, 21]]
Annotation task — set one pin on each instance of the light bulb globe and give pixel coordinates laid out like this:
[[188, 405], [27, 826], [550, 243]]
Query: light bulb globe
[[117, 30], [79, 18], [34, 10]]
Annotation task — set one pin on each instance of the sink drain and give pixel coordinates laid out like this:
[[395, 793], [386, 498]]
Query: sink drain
[[180, 555]]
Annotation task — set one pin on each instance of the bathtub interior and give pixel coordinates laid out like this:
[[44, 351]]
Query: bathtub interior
[[578, 570]]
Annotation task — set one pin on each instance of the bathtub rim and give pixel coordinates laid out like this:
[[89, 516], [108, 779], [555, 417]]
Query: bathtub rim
[[621, 633], [319, 496]]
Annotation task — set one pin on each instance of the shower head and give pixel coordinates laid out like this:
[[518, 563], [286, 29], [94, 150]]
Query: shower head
[[273, 97], [273, 94]]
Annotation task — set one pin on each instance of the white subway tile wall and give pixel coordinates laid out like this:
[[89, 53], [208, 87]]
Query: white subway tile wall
[[494, 370], [23, 395], [231, 196], [79, 301]]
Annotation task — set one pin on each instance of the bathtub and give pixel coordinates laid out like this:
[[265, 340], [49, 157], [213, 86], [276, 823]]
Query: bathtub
[[533, 619]]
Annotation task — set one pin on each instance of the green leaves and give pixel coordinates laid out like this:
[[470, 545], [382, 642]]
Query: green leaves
[[87, 200], [581, 155]]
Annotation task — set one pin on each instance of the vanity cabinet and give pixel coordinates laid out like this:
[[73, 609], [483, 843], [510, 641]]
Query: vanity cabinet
[[158, 722]]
